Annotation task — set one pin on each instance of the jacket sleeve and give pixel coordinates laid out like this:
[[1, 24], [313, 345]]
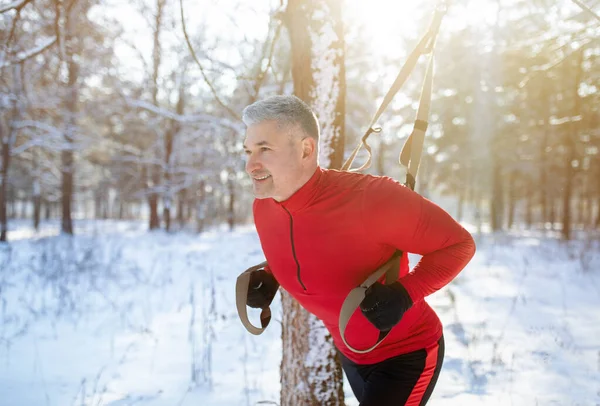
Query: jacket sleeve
[[394, 215]]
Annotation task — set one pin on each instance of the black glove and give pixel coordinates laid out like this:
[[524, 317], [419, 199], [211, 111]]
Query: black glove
[[261, 289], [384, 305]]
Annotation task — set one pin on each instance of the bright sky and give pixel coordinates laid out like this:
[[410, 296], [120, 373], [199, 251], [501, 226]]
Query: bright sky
[[386, 21], [226, 23], [389, 21]]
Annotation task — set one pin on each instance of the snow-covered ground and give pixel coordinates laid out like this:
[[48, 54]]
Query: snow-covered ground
[[119, 316]]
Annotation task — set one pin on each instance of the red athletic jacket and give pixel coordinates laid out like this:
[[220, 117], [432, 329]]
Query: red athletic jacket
[[330, 235]]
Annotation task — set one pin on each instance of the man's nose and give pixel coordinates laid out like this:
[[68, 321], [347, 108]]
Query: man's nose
[[252, 164]]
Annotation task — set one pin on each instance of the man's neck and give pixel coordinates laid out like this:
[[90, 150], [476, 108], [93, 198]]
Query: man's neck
[[303, 180]]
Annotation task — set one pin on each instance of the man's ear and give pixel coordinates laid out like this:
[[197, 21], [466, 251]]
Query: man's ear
[[309, 147]]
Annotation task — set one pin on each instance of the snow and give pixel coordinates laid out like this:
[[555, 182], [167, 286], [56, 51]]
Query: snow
[[30, 53], [189, 119], [10, 6], [120, 316]]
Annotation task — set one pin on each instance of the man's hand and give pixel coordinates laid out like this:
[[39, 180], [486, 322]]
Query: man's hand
[[261, 289], [384, 305]]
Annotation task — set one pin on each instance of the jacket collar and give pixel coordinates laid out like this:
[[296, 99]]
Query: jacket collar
[[303, 196]]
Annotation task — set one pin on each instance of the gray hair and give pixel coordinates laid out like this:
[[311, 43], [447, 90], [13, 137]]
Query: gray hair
[[285, 110]]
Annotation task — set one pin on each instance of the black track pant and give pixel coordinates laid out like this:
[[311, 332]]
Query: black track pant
[[405, 380]]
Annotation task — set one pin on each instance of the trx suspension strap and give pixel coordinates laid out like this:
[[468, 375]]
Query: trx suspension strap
[[241, 294], [409, 157], [425, 46]]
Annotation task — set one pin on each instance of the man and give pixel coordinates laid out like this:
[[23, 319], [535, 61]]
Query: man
[[323, 232]]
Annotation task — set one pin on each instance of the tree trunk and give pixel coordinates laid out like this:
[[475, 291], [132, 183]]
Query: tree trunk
[[589, 204], [11, 205], [156, 60], [106, 206], [154, 218], [37, 193], [323, 86], [121, 213], [552, 212], [304, 337], [568, 188], [67, 190], [231, 205], [580, 212], [5, 163], [570, 138], [37, 208], [497, 200], [311, 374], [512, 199], [22, 208], [67, 154], [169, 157], [7, 140], [181, 207], [148, 185], [47, 209], [167, 212], [597, 222], [97, 205], [200, 210], [543, 157], [529, 204]]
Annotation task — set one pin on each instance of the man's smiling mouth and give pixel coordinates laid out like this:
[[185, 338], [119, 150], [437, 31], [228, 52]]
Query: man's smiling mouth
[[261, 177]]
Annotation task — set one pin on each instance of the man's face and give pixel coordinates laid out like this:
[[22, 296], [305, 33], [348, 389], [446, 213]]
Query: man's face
[[274, 160]]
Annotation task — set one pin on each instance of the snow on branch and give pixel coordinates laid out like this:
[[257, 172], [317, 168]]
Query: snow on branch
[[553, 64], [54, 142], [552, 38], [185, 119], [39, 125], [24, 55], [15, 5], [34, 142], [138, 159], [583, 6]]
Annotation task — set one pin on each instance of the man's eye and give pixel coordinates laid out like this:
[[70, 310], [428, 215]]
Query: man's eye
[[263, 149]]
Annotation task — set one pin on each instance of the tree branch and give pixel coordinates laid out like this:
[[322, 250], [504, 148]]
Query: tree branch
[[549, 39], [187, 119], [212, 89], [263, 73], [586, 8], [39, 125], [553, 64], [25, 55], [15, 5], [13, 28]]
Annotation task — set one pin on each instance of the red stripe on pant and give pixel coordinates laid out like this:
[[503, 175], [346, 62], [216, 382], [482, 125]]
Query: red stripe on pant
[[431, 360]]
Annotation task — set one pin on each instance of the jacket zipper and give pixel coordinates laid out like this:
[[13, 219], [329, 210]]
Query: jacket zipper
[[294, 248]]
